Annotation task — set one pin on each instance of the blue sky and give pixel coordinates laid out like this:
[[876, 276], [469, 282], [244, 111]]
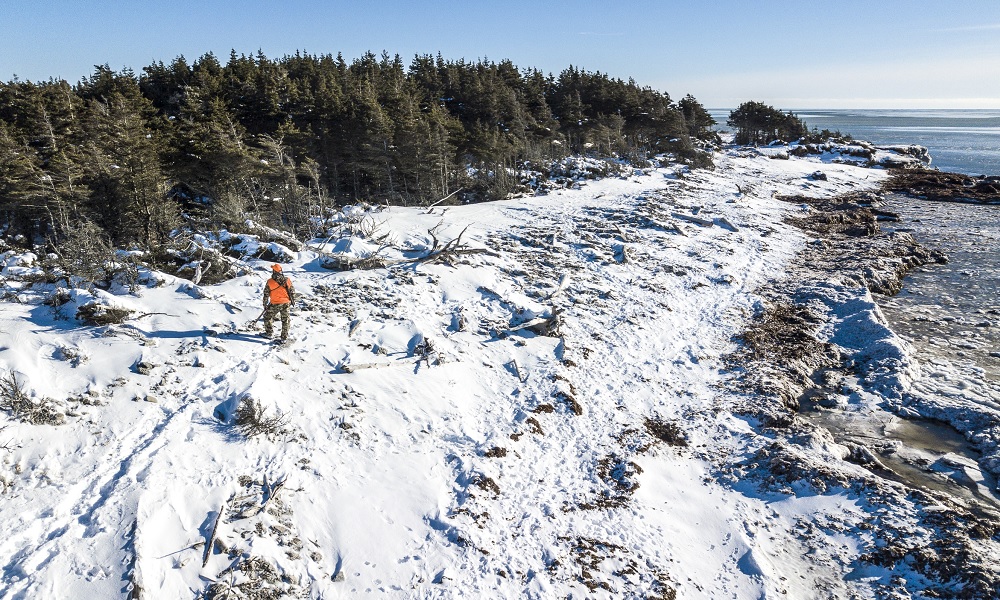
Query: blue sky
[[792, 54]]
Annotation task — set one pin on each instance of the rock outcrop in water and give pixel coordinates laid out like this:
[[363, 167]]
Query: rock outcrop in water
[[953, 187]]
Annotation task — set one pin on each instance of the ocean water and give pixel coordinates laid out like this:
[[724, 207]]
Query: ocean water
[[961, 141], [951, 311]]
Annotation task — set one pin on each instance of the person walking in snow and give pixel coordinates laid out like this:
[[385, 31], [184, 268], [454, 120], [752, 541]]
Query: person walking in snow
[[278, 298]]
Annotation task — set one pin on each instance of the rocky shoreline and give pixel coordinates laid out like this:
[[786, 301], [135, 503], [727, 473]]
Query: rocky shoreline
[[822, 372]]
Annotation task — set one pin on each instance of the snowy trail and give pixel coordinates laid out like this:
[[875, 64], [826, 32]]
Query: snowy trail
[[134, 472], [504, 464], [102, 503]]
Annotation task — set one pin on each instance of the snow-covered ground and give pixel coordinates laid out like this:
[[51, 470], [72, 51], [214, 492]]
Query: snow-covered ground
[[428, 446]]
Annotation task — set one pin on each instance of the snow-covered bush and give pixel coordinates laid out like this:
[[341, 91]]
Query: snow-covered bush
[[15, 401]]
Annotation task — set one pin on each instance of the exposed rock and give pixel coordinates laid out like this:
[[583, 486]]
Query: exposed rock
[[937, 185]]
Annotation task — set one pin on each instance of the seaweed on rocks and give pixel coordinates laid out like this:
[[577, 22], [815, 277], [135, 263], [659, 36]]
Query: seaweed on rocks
[[942, 186]]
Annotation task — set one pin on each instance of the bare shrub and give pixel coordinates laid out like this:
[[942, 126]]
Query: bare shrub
[[85, 253], [252, 421], [99, 314], [15, 401]]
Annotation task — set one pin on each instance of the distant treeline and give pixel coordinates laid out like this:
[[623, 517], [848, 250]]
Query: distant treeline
[[283, 140]]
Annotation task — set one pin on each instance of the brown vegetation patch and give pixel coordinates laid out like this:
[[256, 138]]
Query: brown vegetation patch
[[570, 402], [487, 484], [935, 185], [588, 555], [665, 431], [496, 452], [780, 352], [620, 477], [951, 557]]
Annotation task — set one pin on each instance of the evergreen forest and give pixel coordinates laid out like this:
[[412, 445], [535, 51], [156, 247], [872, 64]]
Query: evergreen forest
[[131, 158]]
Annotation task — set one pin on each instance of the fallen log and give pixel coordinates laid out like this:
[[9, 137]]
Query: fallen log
[[211, 537], [544, 326], [728, 223], [693, 219]]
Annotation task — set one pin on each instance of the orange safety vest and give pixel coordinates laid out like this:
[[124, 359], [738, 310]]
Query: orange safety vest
[[279, 293]]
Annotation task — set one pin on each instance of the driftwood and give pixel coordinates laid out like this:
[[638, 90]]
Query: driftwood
[[354, 326], [211, 537], [443, 199], [150, 314], [450, 249], [350, 368], [341, 262], [544, 326], [621, 232], [517, 371], [273, 234], [271, 493], [135, 593], [196, 278], [563, 282], [669, 224], [621, 254], [693, 219], [210, 256], [438, 253], [728, 223]]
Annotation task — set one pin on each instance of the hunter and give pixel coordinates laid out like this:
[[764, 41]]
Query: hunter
[[278, 298]]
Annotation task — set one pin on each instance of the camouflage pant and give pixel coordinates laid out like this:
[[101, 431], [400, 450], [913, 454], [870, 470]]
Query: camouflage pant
[[276, 310]]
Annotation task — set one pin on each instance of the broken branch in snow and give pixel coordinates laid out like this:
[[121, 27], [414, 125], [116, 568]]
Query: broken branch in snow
[[621, 232], [728, 223], [270, 493], [517, 370], [544, 326], [270, 233], [350, 368], [449, 250], [150, 314], [693, 219], [563, 282], [211, 536], [354, 326], [443, 199]]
